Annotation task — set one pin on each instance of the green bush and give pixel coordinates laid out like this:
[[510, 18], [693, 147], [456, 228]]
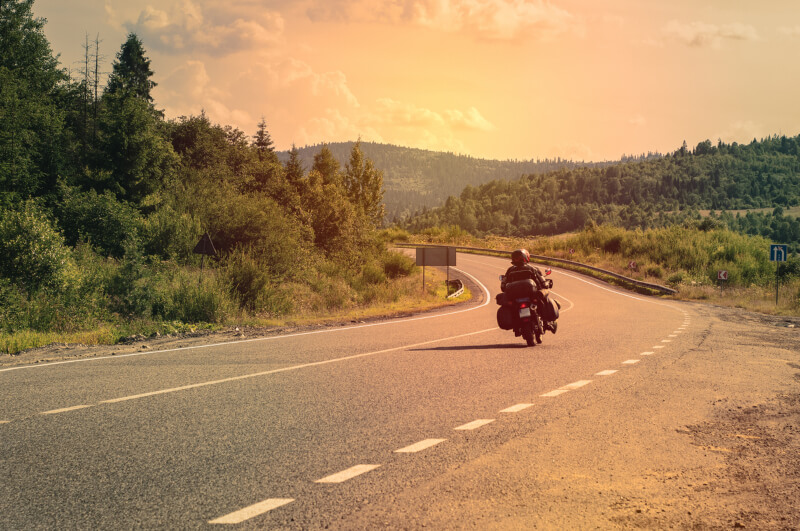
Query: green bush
[[398, 265], [194, 301], [32, 251], [101, 219]]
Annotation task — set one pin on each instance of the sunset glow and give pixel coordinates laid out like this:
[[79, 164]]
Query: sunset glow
[[497, 79]]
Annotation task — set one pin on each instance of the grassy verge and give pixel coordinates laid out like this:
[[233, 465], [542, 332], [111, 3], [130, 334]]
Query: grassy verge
[[686, 260], [390, 298]]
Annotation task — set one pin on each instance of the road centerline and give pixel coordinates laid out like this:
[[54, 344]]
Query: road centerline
[[474, 425], [419, 446], [252, 511], [515, 409], [345, 475]]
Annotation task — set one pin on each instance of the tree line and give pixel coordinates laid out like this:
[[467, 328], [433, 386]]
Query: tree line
[[417, 178], [642, 194], [102, 199]]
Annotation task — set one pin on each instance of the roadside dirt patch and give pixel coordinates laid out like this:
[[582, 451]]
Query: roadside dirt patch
[[759, 487]]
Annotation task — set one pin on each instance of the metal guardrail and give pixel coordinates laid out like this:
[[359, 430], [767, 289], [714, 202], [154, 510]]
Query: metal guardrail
[[459, 288], [641, 284]]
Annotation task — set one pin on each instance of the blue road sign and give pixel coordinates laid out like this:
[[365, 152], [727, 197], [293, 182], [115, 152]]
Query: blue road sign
[[778, 253]]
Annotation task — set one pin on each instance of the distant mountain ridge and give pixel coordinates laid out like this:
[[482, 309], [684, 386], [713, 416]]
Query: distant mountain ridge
[[415, 179]]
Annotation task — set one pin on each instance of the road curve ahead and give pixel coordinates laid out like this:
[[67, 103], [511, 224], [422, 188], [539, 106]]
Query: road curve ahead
[[330, 427]]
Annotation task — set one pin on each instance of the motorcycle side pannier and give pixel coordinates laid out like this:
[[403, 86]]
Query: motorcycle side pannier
[[551, 308], [505, 319]]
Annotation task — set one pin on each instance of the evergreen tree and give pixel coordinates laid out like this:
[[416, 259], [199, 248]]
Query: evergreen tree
[[262, 142], [294, 168], [136, 160], [131, 73], [364, 186], [31, 123], [327, 166]]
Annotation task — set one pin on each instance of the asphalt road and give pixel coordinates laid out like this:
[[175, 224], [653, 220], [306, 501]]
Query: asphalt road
[[312, 429]]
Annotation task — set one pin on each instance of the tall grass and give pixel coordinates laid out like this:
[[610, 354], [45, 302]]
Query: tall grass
[[113, 299]]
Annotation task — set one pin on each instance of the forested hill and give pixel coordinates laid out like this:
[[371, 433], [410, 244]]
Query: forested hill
[[416, 178], [641, 194]]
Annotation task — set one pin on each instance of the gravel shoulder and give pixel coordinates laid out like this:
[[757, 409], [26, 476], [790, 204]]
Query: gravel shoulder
[[712, 441]]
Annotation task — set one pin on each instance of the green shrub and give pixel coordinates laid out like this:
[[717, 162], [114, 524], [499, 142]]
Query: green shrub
[[654, 271], [398, 265], [32, 251], [197, 301], [101, 219]]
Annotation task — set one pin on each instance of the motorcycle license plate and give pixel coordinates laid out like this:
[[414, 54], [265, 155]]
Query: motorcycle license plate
[[524, 313]]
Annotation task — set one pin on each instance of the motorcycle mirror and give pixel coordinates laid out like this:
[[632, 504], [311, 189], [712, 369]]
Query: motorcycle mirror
[[502, 278], [548, 271]]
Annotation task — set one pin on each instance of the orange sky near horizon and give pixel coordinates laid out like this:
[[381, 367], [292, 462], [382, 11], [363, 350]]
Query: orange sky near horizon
[[500, 79]]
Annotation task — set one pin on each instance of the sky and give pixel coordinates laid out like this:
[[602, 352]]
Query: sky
[[585, 80]]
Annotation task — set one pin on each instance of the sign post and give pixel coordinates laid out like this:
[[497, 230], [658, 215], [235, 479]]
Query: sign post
[[436, 256], [204, 247], [722, 276], [777, 253]]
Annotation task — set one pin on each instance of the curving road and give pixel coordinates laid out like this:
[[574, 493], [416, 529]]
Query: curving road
[[337, 427]]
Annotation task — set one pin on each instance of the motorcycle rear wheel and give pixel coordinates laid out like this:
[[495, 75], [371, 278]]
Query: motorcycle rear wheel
[[527, 334]]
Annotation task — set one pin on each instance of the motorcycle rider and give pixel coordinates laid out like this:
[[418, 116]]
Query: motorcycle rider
[[521, 269]]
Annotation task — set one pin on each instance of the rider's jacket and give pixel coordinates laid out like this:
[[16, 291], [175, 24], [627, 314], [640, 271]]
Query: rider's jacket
[[523, 272]]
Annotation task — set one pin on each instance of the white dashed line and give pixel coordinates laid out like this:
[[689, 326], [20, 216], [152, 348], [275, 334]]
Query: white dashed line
[[606, 373], [4, 421], [474, 425], [418, 447], [673, 334], [657, 346], [647, 353], [515, 409], [666, 341], [350, 473], [555, 393], [64, 409], [254, 510], [575, 385], [630, 362]]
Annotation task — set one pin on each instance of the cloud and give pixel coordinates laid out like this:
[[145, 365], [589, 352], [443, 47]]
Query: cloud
[[488, 19], [193, 27], [742, 131], [637, 120], [188, 90], [700, 34], [793, 31], [471, 119]]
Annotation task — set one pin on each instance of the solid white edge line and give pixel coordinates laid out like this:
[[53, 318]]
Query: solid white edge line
[[474, 425], [418, 447], [515, 409], [286, 369], [252, 511], [486, 293], [65, 409], [345, 475]]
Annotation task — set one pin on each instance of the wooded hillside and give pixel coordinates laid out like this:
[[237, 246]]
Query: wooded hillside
[[640, 194]]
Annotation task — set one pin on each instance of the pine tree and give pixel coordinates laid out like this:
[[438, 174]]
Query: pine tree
[[131, 73], [294, 168], [364, 186], [262, 142], [31, 123]]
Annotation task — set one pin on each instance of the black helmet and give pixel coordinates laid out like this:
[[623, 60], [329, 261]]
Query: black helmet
[[520, 257]]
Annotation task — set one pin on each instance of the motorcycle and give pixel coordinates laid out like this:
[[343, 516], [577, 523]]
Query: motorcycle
[[524, 310]]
